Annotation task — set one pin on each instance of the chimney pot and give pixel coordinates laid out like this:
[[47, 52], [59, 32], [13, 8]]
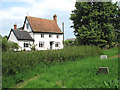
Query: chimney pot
[[15, 26], [55, 18]]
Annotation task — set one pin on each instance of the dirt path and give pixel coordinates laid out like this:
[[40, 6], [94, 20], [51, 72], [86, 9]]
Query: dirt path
[[22, 84]]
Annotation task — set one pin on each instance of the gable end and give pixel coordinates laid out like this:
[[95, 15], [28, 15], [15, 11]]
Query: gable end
[[26, 19]]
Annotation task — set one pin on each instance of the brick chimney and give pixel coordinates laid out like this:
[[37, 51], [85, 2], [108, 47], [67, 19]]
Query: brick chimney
[[15, 26], [55, 18]]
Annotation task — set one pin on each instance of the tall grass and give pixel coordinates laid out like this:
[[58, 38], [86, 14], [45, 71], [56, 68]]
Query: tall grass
[[78, 74], [17, 64], [81, 73]]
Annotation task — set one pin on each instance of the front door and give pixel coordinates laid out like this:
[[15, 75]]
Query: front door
[[51, 44]]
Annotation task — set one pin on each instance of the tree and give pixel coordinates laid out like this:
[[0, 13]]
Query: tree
[[13, 45], [96, 23], [7, 45]]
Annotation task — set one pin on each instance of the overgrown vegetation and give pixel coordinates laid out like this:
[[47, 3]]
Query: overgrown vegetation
[[14, 63], [71, 43], [7, 45], [79, 72]]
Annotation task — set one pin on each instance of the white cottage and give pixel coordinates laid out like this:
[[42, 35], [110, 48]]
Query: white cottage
[[43, 33]]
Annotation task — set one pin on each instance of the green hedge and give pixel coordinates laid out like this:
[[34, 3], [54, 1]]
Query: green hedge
[[16, 62]]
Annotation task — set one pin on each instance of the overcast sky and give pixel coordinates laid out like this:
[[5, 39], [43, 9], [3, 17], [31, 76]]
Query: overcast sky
[[14, 11]]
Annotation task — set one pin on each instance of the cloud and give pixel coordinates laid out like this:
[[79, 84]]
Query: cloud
[[37, 8], [55, 4], [28, 1]]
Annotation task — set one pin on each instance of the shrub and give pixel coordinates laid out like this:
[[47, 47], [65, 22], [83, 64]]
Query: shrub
[[7, 45], [16, 62], [70, 43]]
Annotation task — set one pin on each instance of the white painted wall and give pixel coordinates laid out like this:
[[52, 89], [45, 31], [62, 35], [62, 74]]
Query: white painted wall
[[37, 37], [47, 40], [13, 38], [21, 44], [25, 27]]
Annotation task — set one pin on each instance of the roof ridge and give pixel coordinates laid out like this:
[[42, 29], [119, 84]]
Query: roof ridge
[[40, 18]]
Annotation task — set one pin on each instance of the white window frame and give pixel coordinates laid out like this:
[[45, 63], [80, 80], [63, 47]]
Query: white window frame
[[42, 35], [57, 36], [41, 44], [57, 43], [50, 35], [26, 44]]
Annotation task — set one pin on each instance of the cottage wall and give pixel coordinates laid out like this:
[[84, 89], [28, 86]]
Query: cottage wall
[[12, 37], [46, 39], [25, 27], [21, 44]]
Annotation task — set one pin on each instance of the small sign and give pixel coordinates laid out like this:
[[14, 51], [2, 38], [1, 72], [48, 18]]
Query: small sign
[[103, 70], [103, 57]]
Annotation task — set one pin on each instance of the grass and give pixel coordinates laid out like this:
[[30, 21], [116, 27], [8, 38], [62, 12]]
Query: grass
[[17, 62], [111, 52], [80, 72], [77, 74]]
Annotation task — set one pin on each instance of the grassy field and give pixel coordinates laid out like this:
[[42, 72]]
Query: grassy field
[[78, 73]]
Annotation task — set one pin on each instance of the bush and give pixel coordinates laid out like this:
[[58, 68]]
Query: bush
[[70, 43], [16, 62], [7, 45]]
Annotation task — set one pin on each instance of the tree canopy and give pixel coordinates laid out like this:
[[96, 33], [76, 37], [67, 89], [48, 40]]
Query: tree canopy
[[96, 23]]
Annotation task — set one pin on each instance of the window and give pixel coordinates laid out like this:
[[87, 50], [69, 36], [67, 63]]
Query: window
[[57, 36], [42, 35], [41, 44], [26, 44], [50, 35], [27, 25], [57, 44]]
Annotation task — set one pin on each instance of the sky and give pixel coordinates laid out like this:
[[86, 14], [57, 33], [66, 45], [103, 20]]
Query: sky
[[14, 11]]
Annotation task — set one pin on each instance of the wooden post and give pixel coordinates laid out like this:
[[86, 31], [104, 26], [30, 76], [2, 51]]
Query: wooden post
[[63, 33]]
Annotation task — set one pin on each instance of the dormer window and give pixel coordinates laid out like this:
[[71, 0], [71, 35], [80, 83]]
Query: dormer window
[[27, 25]]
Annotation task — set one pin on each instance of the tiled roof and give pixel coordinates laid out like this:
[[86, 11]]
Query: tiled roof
[[22, 34], [43, 25]]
